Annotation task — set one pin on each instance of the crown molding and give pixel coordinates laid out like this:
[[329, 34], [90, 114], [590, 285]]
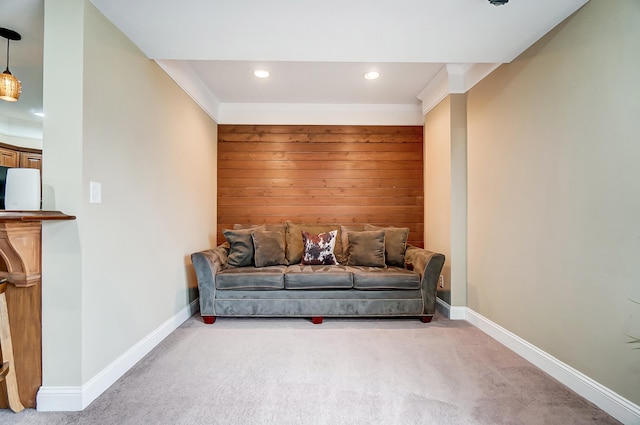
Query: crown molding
[[453, 78], [20, 129], [182, 73]]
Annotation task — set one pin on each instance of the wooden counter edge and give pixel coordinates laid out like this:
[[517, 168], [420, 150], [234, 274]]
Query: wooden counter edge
[[9, 216]]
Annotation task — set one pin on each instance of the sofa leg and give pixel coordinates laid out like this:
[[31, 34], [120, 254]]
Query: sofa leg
[[316, 320], [426, 319], [209, 320]]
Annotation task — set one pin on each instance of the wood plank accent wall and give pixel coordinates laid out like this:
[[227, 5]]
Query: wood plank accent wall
[[321, 174]]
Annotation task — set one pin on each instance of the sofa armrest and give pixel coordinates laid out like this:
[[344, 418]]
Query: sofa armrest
[[429, 265], [207, 264]]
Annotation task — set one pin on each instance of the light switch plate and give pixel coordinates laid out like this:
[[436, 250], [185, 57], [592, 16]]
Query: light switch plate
[[95, 193]]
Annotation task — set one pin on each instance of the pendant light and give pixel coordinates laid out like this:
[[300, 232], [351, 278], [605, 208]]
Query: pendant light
[[10, 86]]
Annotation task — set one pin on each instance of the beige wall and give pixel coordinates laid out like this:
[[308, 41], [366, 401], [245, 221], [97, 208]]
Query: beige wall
[[554, 204], [446, 193], [437, 187], [121, 269]]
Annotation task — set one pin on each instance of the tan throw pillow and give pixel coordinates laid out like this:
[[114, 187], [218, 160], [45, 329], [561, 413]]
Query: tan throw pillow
[[344, 230], [366, 248], [318, 248], [268, 248], [240, 246], [395, 243]]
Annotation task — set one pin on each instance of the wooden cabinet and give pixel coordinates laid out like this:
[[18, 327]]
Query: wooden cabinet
[[31, 160], [15, 156], [8, 157], [20, 249]]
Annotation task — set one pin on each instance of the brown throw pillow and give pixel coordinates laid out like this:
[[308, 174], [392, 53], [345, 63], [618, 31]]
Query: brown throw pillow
[[268, 248], [366, 248], [318, 248], [240, 247], [395, 243]]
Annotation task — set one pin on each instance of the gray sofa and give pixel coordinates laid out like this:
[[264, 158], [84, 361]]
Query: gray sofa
[[278, 280]]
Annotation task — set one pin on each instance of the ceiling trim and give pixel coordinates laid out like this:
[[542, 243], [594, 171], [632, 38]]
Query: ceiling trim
[[320, 114], [182, 73], [453, 78], [21, 129]]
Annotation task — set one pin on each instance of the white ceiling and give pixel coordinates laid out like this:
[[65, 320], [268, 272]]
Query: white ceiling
[[316, 52]]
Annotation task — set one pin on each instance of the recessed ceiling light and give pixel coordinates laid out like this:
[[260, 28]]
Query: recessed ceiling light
[[371, 75], [39, 114], [261, 73]]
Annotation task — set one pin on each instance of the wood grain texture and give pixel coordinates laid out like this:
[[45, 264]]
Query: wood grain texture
[[15, 156], [21, 248], [321, 174], [8, 158], [31, 160]]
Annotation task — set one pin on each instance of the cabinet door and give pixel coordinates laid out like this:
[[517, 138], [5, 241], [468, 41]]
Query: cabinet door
[[8, 158], [31, 160]]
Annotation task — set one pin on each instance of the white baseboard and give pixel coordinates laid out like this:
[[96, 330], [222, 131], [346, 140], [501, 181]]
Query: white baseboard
[[452, 312], [615, 405], [69, 399]]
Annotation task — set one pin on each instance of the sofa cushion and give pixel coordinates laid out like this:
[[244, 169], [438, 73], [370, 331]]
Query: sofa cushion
[[366, 248], [395, 243], [251, 278], [272, 227], [240, 246], [295, 245], [318, 249], [300, 276], [268, 248], [384, 278]]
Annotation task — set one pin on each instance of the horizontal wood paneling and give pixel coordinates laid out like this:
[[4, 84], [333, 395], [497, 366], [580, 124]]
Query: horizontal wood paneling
[[321, 174]]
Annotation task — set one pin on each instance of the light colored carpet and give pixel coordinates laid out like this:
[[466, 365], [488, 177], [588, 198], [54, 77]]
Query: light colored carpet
[[347, 371]]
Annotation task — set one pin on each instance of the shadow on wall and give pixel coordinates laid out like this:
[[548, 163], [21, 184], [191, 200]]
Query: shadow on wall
[[192, 282], [445, 293]]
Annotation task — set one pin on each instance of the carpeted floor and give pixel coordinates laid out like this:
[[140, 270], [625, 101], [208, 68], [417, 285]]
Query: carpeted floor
[[347, 371]]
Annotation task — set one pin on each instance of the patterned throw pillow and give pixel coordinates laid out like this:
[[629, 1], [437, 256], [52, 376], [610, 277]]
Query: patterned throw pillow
[[318, 249], [295, 244]]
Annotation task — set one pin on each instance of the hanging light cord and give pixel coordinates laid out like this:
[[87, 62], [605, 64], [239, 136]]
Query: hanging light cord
[[7, 70]]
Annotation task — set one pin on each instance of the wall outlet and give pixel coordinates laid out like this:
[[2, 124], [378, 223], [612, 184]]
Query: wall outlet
[[441, 281]]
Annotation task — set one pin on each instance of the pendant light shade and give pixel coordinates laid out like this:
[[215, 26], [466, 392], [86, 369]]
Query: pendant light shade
[[10, 86]]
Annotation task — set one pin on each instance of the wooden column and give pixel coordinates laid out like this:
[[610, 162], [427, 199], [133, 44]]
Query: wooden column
[[20, 248]]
